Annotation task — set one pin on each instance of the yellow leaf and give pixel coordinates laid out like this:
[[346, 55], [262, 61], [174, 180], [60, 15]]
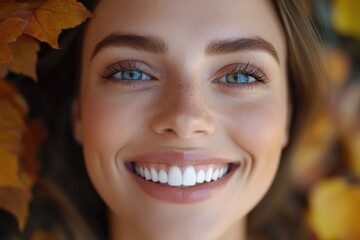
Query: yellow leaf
[[354, 152], [308, 161], [334, 211], [54, 16], [25, 56], [346, 17], [10, 30]]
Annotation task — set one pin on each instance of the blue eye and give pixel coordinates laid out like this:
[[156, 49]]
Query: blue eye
[[131, 75], [237, 78]]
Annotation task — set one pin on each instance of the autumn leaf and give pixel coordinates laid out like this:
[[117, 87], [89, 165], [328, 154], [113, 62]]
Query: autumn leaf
[[14, 193], [16, 201], [10, 30], [54, 16], [12, 125], [334, 211], [33, 136], [338, 65], [308, 163], [346, 17], [44, 235], [25, 56], [8, 8]]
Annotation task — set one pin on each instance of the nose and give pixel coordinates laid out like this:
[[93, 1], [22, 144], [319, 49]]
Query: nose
[[183, 113]]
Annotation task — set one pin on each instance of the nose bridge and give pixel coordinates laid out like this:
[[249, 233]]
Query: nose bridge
[[183, 112], [186, 97]]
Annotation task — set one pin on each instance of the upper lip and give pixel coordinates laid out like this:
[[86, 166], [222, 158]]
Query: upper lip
[[180, 158]]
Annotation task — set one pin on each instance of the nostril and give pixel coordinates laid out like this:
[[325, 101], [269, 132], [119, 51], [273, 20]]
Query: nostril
[[169, 131]]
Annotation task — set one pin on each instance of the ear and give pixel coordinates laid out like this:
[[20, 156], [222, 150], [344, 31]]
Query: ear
[[288, 122], [76, 121]]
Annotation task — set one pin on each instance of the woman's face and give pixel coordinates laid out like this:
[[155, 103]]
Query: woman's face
[[193, 96]]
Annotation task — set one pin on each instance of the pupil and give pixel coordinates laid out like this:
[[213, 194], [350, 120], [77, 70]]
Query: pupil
[[132, 75], [238, 78]]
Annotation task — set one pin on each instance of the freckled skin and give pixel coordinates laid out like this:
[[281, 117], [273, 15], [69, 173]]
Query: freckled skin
[[184, 110]]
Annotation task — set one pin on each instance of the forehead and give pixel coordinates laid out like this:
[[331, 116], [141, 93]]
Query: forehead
[[187, 23]]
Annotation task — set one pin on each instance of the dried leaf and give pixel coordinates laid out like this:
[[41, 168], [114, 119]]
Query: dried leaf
[[8, 8], [14, 194], [44, 235], [25, 56], [15, 201], [54, 16], [33, 136], [12, 126], [334, 211], [10, 30]]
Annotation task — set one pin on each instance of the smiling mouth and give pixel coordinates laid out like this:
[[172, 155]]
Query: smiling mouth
[[181, 176]]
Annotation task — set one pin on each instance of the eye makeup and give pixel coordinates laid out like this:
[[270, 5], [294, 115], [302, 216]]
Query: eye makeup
[[237, 76], [248, 70]]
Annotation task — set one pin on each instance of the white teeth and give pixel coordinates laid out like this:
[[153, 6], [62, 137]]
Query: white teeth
[[154, 175], [163, 178], [175, 176], [189, 176], [208, 175], [137, 170], [147, 174], [226, 169], [215, 175], [200, 178], [221, 172], [142, 172]]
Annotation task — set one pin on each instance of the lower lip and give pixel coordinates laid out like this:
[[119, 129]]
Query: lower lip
[[185, 195]]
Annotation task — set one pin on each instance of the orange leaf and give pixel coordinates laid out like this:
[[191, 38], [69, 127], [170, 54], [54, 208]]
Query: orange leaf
[[8, 7], [334, 211], [10, 30], [44, 235], [33, 136], [54, 16], [4, 70], [308, 163], [25, 56], [12, 125], [15, 201], [14, 194]]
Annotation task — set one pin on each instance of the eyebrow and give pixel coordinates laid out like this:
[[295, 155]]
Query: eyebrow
[[145, 43], [156, 45], [241, 44]]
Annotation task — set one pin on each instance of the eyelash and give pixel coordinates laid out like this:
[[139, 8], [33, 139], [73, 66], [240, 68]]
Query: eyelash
[[118, 66], [247, 69]]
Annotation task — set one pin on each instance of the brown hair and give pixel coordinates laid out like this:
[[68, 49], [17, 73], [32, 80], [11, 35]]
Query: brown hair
[[280, 214]]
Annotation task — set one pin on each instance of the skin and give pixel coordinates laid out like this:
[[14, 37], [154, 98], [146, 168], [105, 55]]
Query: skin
[[182, 110]]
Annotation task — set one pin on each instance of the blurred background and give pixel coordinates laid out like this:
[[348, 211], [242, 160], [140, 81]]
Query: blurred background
[[326, 165]]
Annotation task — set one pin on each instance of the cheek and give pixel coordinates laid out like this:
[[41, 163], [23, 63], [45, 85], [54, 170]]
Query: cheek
[[109, 123], [258, 130]]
